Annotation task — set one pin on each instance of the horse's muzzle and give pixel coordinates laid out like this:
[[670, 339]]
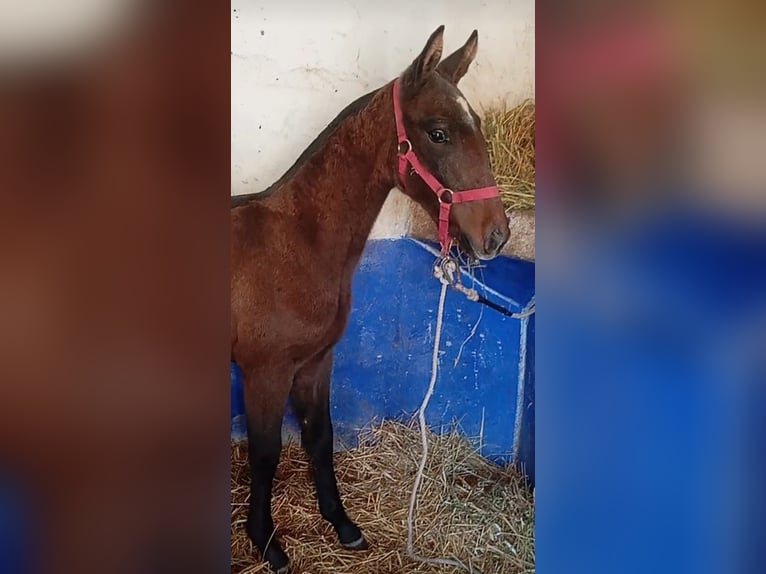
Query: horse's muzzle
[[494, 243]]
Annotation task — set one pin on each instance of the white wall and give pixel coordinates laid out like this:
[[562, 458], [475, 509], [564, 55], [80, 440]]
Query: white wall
[[296, 64]]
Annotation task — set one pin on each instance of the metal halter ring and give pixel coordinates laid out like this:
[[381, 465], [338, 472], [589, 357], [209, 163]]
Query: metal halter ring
[[445, 196], [408, 148]]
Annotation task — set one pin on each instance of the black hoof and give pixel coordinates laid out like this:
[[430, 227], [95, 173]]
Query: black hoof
[[358, 544], [277, 559], [350, 536]]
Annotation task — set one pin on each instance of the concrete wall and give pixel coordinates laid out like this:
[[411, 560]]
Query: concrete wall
[[296, 64]]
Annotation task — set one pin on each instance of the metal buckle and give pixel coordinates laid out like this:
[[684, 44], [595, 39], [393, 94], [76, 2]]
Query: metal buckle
[[446, 270], [445, 196], [407, 150]]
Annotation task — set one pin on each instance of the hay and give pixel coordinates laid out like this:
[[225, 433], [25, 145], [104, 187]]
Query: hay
[[510, 136], [468, 509]]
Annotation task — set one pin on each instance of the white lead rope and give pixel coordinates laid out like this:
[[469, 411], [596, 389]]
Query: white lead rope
[[424, 439], [445, 272]]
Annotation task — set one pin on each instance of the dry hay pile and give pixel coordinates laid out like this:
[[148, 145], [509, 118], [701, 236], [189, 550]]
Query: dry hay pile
[[510, 136], [468, 509]]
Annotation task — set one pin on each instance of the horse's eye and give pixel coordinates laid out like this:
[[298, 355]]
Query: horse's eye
[[438, 136]]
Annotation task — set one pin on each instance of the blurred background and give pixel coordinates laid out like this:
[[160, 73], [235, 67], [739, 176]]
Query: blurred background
[[114, 186], [651, 263]]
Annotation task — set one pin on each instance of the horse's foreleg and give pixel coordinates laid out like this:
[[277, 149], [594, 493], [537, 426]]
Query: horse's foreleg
[[265, 399], [311, 399]]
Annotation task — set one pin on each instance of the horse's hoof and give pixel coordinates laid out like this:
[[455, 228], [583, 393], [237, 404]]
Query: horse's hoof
[[277, 560], [280, 570], [359, 544]]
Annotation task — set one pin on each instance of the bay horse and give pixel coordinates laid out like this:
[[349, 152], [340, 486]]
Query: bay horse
[[295, 246]]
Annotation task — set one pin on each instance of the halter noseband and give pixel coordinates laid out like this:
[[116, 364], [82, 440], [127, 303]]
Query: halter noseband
[[445, 195]]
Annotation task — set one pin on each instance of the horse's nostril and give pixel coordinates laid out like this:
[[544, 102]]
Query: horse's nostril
[[495, 241]]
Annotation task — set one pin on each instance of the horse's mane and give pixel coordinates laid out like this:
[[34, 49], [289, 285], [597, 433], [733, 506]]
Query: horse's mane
[[350, 110]]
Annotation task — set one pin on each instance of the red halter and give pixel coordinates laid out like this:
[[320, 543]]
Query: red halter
[[445, 196]]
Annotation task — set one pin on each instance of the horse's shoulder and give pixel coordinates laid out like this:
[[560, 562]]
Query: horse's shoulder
[[249, 221], [256, 222]]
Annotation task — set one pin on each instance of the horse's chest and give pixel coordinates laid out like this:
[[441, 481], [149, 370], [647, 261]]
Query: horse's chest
[[317, 318], [334, 320]]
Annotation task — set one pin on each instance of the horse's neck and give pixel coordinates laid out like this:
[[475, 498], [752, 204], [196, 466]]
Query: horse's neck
[[341, 188]]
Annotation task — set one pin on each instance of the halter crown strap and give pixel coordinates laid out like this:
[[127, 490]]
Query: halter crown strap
[[446, 197]]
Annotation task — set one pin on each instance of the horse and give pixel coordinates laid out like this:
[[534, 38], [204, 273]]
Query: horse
[[296, 245]]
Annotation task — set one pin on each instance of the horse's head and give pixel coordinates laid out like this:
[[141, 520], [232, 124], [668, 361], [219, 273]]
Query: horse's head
[[445, 134]]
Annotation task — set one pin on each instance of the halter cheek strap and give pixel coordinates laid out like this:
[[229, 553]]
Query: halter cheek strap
[[446, 196]]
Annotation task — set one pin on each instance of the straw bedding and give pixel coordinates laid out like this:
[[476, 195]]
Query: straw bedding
[[510, 136], [468, 509]]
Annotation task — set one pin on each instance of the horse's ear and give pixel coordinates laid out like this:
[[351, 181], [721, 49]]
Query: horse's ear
[[427, 60], [456, 64]]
